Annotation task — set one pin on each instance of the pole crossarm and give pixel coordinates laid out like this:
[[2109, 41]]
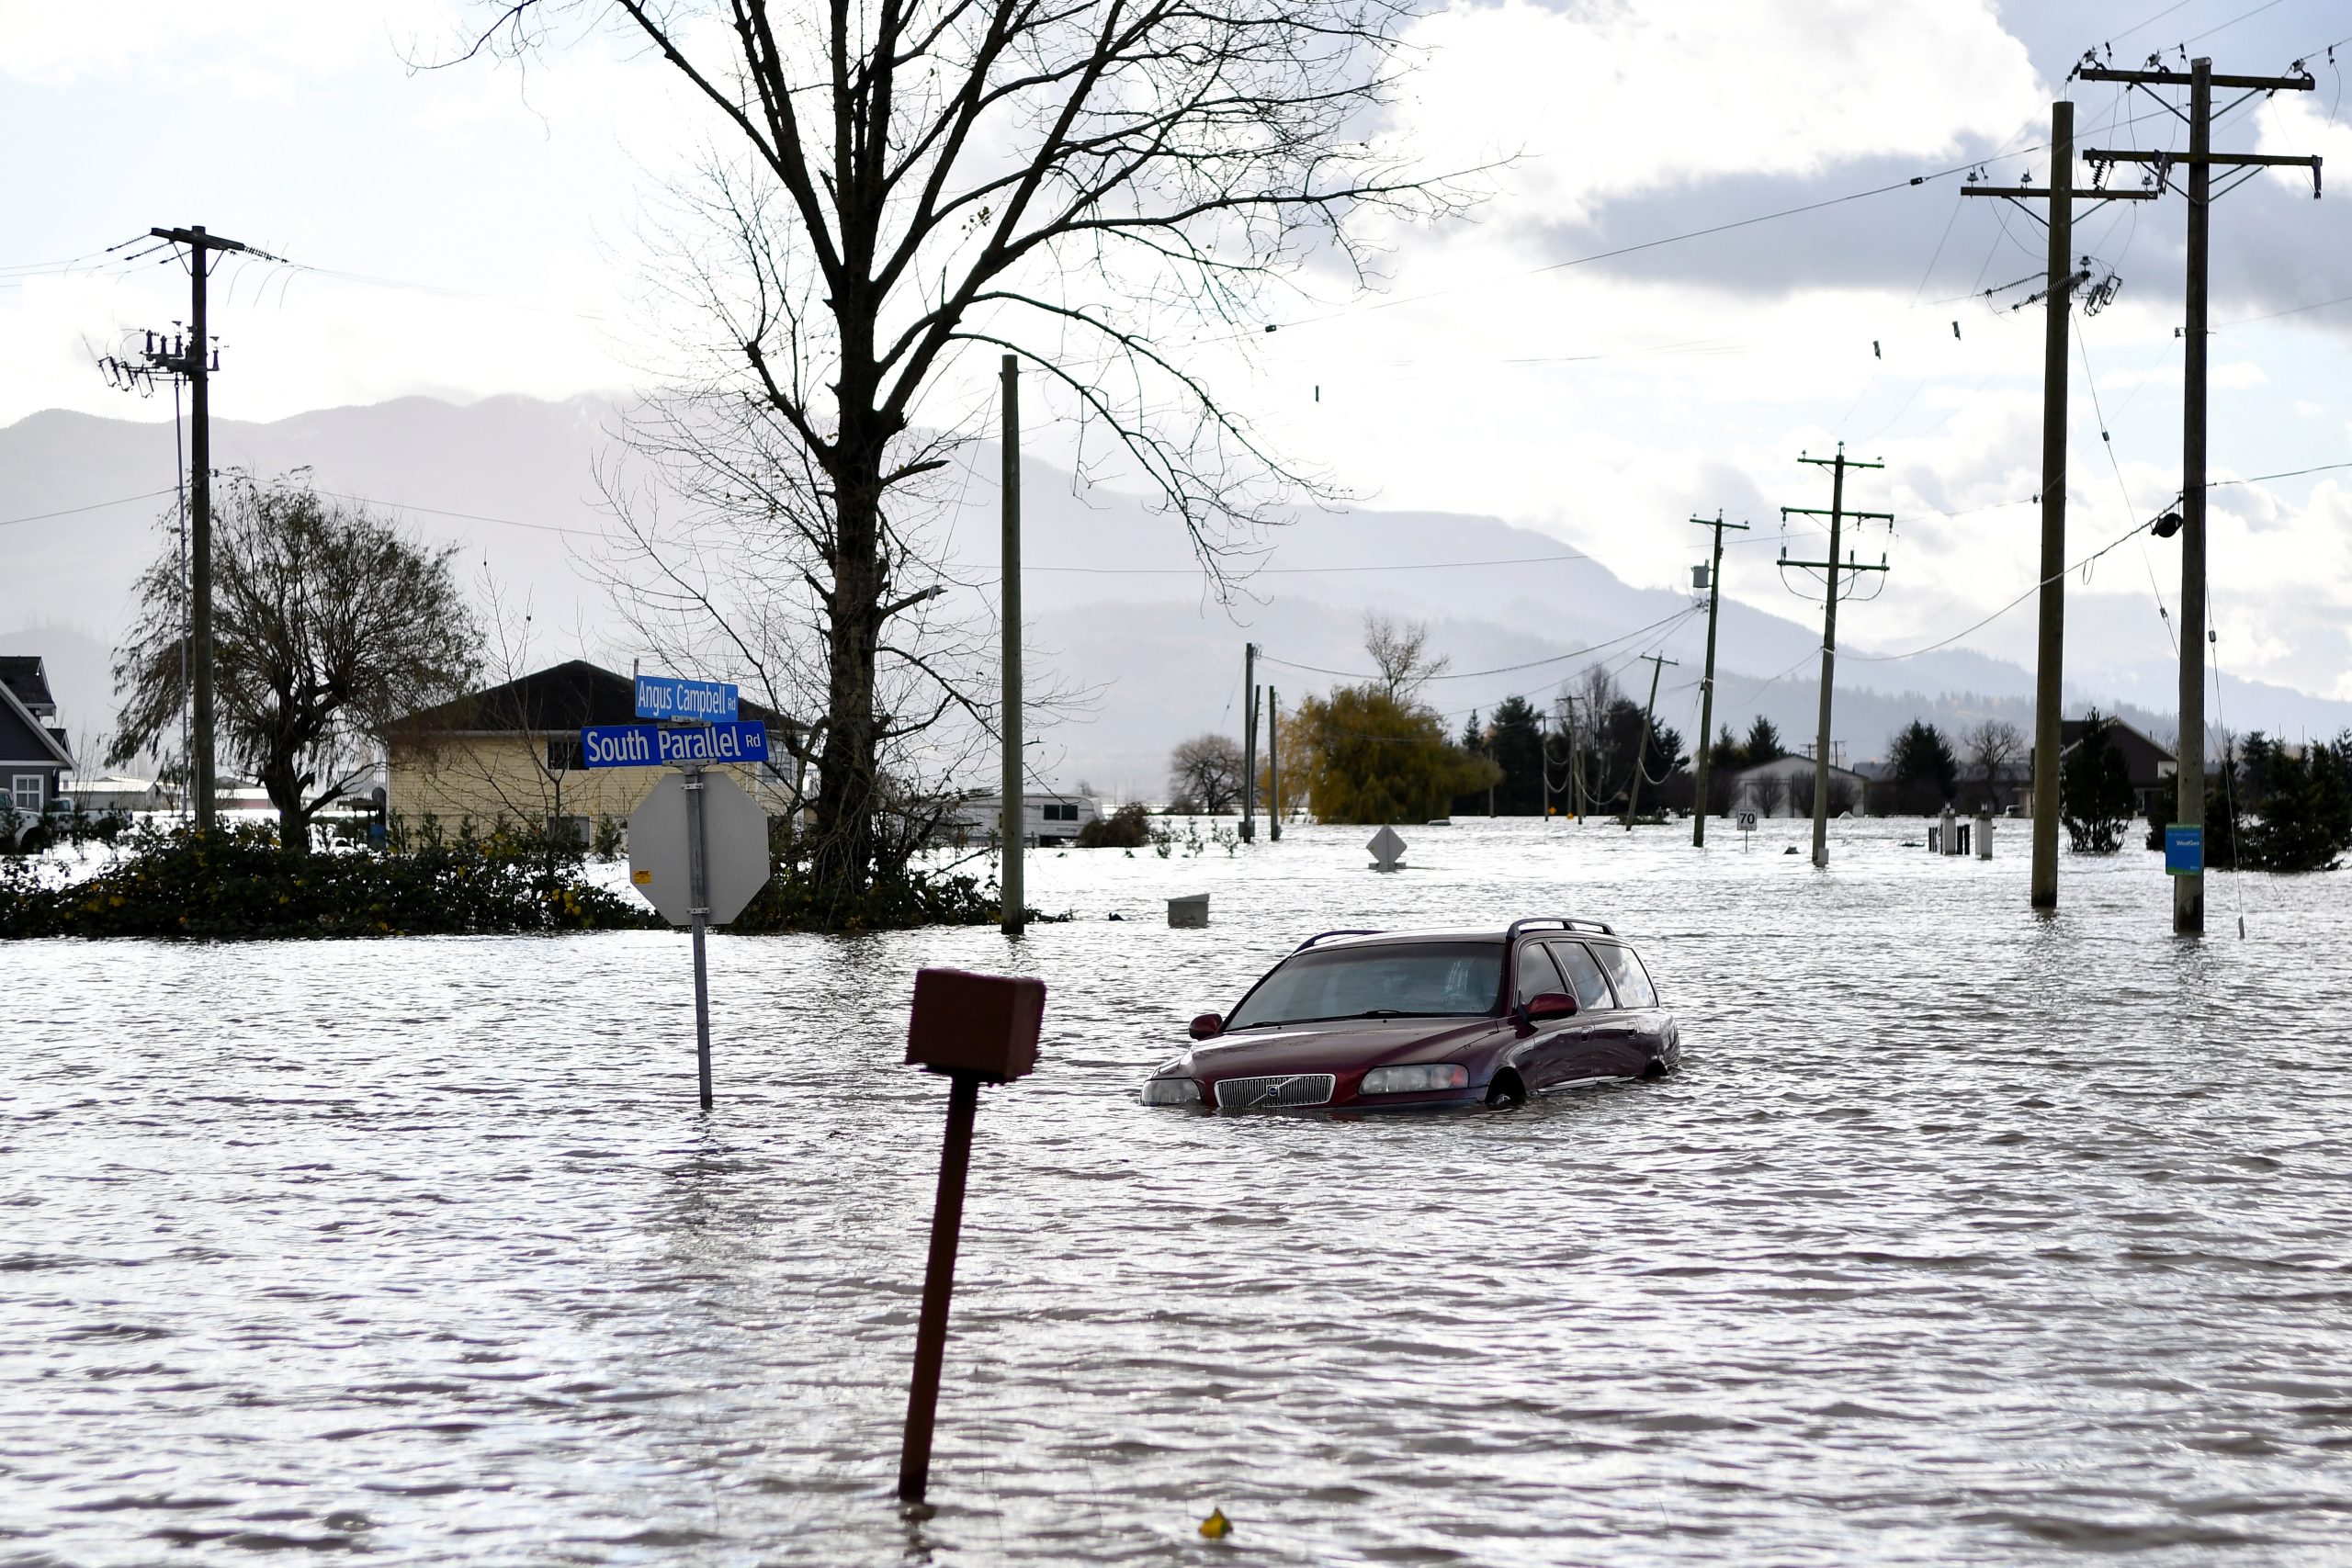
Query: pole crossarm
[[1718, 522], [2302, 82], [1841, 511], [2014, 192], [2211, 160], [1835, 462], [1849, 564]]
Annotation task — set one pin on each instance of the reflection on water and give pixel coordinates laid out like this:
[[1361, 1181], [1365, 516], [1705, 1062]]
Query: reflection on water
[[1965, 1236]]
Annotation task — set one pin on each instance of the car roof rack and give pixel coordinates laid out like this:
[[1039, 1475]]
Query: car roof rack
[[1320, 936], [1565, 923]]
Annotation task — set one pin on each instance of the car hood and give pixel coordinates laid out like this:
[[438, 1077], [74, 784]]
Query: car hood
[[1341, 1045]]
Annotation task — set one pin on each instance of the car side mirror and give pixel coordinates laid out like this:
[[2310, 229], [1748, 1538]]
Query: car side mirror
[[1551, 1007], [1209, 1025]]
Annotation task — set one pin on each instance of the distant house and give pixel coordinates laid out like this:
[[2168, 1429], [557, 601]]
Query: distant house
[[510, 753], [1783, 787], [96, 795], [32, 747], [2155, 770], [1047, 820]]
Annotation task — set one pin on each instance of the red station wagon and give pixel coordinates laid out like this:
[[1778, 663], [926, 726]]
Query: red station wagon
[[1395, 1021]]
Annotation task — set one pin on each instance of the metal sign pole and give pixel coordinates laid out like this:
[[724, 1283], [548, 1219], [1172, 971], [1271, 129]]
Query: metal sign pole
[[698, 885]]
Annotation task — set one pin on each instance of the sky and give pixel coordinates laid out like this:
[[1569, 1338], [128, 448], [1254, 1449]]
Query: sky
[[479, 228]]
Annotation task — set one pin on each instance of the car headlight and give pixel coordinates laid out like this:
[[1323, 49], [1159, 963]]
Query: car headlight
[[1170, 1091], [1405, 1080]]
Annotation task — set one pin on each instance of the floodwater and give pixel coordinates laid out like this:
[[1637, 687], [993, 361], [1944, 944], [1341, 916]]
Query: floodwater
[[1966, 1236]]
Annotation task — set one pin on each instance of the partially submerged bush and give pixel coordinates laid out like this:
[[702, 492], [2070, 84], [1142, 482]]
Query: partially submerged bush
[[1129, 827], [233, 882]]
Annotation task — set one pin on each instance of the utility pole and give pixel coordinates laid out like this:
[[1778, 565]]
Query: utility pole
[[1641, 745], [1699, 805], [1249, 742], [1015, 809], [1838, 515], [1273, 765], [192, 359], [2188, 891], [2050, 654]]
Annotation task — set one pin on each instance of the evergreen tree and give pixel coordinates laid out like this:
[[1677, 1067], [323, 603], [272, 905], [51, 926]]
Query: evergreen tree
[[1515, 744], [1763, 742], [2095, 791], [1923, 767]]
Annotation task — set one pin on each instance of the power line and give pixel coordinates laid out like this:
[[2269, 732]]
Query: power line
[[94, 506], [1585, 653]]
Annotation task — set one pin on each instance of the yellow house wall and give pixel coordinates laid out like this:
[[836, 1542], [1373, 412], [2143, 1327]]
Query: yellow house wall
[[453, 778]]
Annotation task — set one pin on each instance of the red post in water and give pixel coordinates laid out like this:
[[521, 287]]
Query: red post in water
[[976, 1029]]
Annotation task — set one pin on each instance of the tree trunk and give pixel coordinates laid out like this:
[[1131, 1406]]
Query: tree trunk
[[285, 792], [848, 781]]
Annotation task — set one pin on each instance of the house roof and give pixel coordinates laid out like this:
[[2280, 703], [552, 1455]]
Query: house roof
[[1794, 764], [23, 738], [2147, 763], [564, 696], [23, 675]]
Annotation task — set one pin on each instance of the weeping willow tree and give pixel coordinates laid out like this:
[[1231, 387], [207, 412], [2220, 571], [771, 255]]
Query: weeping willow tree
[[901, 191], [328, 623]]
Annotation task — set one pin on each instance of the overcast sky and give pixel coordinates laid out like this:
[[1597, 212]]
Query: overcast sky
[[475, 230]]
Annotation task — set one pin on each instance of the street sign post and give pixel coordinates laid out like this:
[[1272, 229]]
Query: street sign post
[[698, 845], [685, 702], [697, 851]]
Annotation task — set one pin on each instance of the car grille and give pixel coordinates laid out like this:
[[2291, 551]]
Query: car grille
[[1267, 1093]]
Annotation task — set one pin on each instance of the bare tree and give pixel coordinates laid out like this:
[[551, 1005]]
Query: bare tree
[[1992, 748], [1400, 651], [897, 185], [327, 625], [1205, 772]]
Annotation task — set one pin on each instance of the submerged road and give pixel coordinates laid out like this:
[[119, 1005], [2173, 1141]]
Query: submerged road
[[1966, 1237]]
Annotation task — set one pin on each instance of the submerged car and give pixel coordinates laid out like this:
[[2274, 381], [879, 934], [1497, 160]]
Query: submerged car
[[1394, 1020]]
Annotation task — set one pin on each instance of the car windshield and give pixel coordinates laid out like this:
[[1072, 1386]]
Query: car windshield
[[1422, 979]]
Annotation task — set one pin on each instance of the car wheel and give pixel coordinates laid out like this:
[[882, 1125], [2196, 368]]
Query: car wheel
[[1506, 1091]]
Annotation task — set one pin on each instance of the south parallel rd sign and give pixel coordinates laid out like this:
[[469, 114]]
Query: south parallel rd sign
[[657, 746]]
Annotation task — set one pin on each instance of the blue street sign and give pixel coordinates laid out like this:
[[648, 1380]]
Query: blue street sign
[[689, 702], [656, 745], [2183, 852]]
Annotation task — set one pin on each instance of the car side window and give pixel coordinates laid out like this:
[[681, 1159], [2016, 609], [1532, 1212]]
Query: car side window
[[1632, 980], [1583, 975], [1536, 974]]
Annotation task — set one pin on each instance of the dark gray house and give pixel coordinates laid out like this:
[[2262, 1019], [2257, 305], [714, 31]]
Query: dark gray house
[[32, 748]]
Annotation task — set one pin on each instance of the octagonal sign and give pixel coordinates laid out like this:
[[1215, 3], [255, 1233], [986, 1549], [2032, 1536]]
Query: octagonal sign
[[736, 845]]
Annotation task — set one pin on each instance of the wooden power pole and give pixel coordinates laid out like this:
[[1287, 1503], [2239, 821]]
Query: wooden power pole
[[1707, 681], [1641, 745], [1015, 814], [1249, 742], [197, 369], [1273, 767], [2188, 891], [1837, 514], [2050, 652]]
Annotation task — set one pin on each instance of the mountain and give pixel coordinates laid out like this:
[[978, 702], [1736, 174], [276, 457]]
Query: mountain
[[1114, 593]]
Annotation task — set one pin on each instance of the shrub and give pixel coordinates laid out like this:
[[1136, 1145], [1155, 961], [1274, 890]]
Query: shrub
[[1129, 827], [233, 881]]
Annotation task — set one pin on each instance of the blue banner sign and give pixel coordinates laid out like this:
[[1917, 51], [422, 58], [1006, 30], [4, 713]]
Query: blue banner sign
[[2183, 852], [659, 746], [683, 701]]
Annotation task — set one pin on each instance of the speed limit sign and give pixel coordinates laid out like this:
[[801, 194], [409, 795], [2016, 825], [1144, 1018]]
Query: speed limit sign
[[1747, 821]]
